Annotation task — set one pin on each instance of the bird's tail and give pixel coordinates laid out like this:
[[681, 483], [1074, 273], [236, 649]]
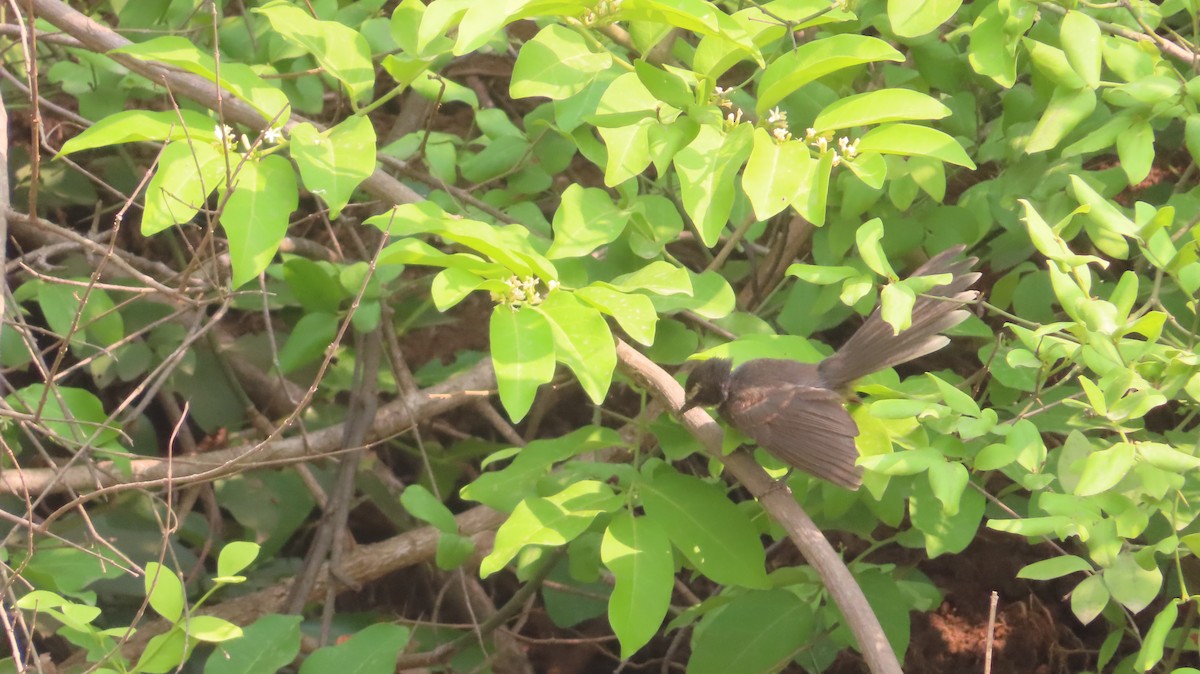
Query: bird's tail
[[876, 346]]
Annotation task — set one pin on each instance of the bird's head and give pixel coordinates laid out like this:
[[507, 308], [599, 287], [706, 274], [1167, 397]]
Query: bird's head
[[708, 384]]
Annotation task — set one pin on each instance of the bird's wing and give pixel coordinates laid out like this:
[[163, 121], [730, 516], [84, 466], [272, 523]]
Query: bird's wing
[[805, 426]]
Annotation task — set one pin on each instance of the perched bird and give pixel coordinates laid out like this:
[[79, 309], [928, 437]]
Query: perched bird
[[795, 410]]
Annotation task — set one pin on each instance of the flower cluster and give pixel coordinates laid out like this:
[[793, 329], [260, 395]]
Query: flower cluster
[[521, 290], [846, 147], [228, 140], [720, 98], [604, 11], [778, 124]]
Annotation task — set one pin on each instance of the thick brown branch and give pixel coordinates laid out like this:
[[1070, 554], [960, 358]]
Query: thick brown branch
[[777, 499]]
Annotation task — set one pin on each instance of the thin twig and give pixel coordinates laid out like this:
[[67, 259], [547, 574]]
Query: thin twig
[[991, 633]]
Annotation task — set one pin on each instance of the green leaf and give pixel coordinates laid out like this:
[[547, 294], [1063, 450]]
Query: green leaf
[[483, 21], [1153, 644], [896, 302], [314, 284], [557, 63], [714, 534], [664, 141], [869, 167], [878, 107], [74, 416], [523, 351], [554, 520], [821, 274], [948, 481], [944, 532], [868, 238], [452, 286], [1024, 437], [372, 650], [1131, 584], [334, 163], [666, 86], [211, 629], [911, 140], [1192, 136], [423, 505], [165, 652], [1167, 457], [91, 311], [411, 250], [693, 15], [638, 553], [308, 341], [1067, 108], [586, 219], [1105, 468], [1135, 149], [256, 214], [164, 591], [507, 245], [267, 645], [1106, 217], [708, 169], [1080, 37], [453, 551], [186, 175], [755, 633], [1055, 567], [582, 342], [994, 39], [625, 102], [1089, 598], [496, 159], [238, 78], [659, 277], [711, 297], [810, 200], [68, 571], [628, 151], [775, 173], [405, 70], [235, 557], [816, 59], [131, 126], [914, 19], [902, 408], [957, 399], [1053, 63], [635, 313], [503, 489], [342, 51]]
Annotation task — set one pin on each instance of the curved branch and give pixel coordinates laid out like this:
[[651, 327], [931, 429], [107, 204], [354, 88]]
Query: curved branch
[[777, 499]]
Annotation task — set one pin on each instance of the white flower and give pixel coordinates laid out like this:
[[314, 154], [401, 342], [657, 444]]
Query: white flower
[[272, 135]]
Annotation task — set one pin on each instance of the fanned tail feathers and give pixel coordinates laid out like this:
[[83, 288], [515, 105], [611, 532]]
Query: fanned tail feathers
[[875, 346]]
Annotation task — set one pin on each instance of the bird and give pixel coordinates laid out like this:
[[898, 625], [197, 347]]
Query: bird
[[796, 411]]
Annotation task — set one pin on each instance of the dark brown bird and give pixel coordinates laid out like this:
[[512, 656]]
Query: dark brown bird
[[795, 410]]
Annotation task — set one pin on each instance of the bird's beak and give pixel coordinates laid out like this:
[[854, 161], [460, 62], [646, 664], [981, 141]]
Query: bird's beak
[[687, 405]]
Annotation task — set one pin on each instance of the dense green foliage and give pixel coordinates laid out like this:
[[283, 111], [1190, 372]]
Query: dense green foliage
[[724, 178]]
